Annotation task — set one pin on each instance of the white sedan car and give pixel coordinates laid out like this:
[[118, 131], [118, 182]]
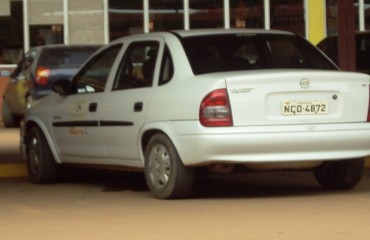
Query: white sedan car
[[168, 103]]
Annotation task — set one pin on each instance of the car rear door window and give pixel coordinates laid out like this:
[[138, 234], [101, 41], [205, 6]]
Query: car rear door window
[[137, 66]]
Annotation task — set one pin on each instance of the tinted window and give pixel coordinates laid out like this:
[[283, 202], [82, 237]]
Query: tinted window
[[137, 67], [65, 57], [94, 75], [235, 52]]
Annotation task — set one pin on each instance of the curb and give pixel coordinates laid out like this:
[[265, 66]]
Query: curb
[[13, 170]]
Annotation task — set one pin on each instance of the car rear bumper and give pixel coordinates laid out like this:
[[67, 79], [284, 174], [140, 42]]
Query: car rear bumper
[[271, 144]]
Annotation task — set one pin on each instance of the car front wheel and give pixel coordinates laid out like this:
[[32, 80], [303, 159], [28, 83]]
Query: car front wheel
[[165, 174], [340, 175], [41, 165]]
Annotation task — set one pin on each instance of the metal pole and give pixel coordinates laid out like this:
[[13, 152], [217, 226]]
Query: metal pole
[[361, 14], [227, 14], [66, 21], [307, 19], [146, 15], [186, 15], [106, 21], [26, 29], [267, 14]]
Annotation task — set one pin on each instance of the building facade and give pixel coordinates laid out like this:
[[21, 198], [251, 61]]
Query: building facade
[[28, 23]]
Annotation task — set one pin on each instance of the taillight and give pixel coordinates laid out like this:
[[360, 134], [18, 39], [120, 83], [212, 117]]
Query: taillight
[[42, 75], [368, 110], [215, 109]]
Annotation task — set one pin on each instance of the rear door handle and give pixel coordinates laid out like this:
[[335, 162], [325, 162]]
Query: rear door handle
[[138, 107], [93, 107]]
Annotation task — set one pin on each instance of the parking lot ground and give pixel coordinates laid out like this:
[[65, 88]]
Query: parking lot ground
[[108, 205]]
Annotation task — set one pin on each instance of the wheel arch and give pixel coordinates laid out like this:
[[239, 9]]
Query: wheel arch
[[149, 131], [29, 124]]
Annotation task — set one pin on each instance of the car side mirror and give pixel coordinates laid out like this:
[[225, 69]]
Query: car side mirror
[[62, 87]]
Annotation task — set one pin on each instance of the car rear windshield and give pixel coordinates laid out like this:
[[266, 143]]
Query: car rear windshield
[[69, 57], [246, 51]]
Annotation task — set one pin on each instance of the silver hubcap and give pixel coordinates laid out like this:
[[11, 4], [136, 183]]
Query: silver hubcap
[[159, 166], [34, 155]]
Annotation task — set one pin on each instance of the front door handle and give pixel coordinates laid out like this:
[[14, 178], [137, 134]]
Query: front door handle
[[93, 107], [138, 107]]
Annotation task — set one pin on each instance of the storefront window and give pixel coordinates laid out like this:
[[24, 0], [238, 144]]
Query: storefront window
[[45, 22], [367, 14], [86, 22], [46, 34], [206, 14], [247, 13], [331, 17], [11, 31], [288, 15], [125, 18], [166, 15]]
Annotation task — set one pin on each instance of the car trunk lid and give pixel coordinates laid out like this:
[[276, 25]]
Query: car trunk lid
[[272, 97]]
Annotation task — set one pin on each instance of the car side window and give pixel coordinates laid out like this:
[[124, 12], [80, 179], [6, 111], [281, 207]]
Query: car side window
[[167, 69], [19, 67], [94, 75], [137, 66], [23, 66]]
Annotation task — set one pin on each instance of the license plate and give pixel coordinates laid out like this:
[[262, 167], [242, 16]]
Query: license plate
[[302, 107]]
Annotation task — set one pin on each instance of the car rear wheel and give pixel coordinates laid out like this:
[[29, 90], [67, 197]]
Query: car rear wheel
[[166, 176], [340, 175], [41, 165], [9, 119]]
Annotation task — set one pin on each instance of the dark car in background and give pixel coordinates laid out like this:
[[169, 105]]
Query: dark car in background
[[329, 46], [35, 74]]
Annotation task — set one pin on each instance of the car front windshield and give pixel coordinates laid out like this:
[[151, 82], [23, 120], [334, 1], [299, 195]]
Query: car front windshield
[[249, 51]]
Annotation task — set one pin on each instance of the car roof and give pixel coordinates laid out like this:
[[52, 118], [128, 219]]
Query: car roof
[[202, 32]]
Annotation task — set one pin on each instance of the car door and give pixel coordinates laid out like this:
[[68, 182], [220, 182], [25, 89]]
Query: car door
[[75, 118], [123, 110]]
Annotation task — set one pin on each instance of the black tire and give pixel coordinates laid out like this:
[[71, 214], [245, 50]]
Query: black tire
[[165, 174], [340, 175], [9, 119], [41, 165]]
